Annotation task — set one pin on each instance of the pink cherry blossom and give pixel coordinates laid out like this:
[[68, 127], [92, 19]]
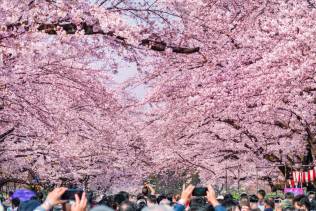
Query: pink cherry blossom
[[230, 84]]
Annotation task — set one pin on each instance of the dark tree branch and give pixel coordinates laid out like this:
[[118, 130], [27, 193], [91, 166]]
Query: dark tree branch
[[185, 50], [197, 165], [311, 4], [5, 134], [231, 122], [4, 181], [71, 28], [103, 2]]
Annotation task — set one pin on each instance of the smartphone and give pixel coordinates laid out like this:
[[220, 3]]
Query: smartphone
[[199, 191], [277, 201], [70, 194]]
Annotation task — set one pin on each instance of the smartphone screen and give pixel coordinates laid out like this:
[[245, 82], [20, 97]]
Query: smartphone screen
[[199, 191], [277, 201], [70, 194]]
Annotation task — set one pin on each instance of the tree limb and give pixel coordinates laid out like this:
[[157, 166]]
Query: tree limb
[[88, 29], [197, 165], [3, 135]]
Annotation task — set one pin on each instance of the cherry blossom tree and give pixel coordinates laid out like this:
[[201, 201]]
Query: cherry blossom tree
[[230, 84], [247, 97], [60, 116]]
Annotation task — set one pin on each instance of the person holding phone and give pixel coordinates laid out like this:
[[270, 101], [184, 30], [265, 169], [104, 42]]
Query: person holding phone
[[150, 189], [57, 196], [187, 194]]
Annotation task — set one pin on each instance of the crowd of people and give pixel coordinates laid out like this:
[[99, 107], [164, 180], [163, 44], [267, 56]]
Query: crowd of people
[[149, 200]]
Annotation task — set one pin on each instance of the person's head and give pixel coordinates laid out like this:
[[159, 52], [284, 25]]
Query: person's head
[[141, 203], [244, 200], [170, 198], [228, 202], [108, 201], [152, 199], [253, 201], [165, 201], [121, 197], [228, 197], [15, 202], [261, 194], [311, 196], [102, 208], [232, 208], [158, 208], [244, 205], [289, 195], [125, 195], [269, 203], [160, 198], [127, 206], [243, 196], [301, 202]]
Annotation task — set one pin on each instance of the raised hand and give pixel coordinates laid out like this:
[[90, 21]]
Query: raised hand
[[80, 204], [186, 194], [211, 196], [53, 198]]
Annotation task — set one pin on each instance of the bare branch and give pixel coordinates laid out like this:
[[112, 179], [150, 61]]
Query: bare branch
[[197, 165], [71, 28], [5, 134]]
